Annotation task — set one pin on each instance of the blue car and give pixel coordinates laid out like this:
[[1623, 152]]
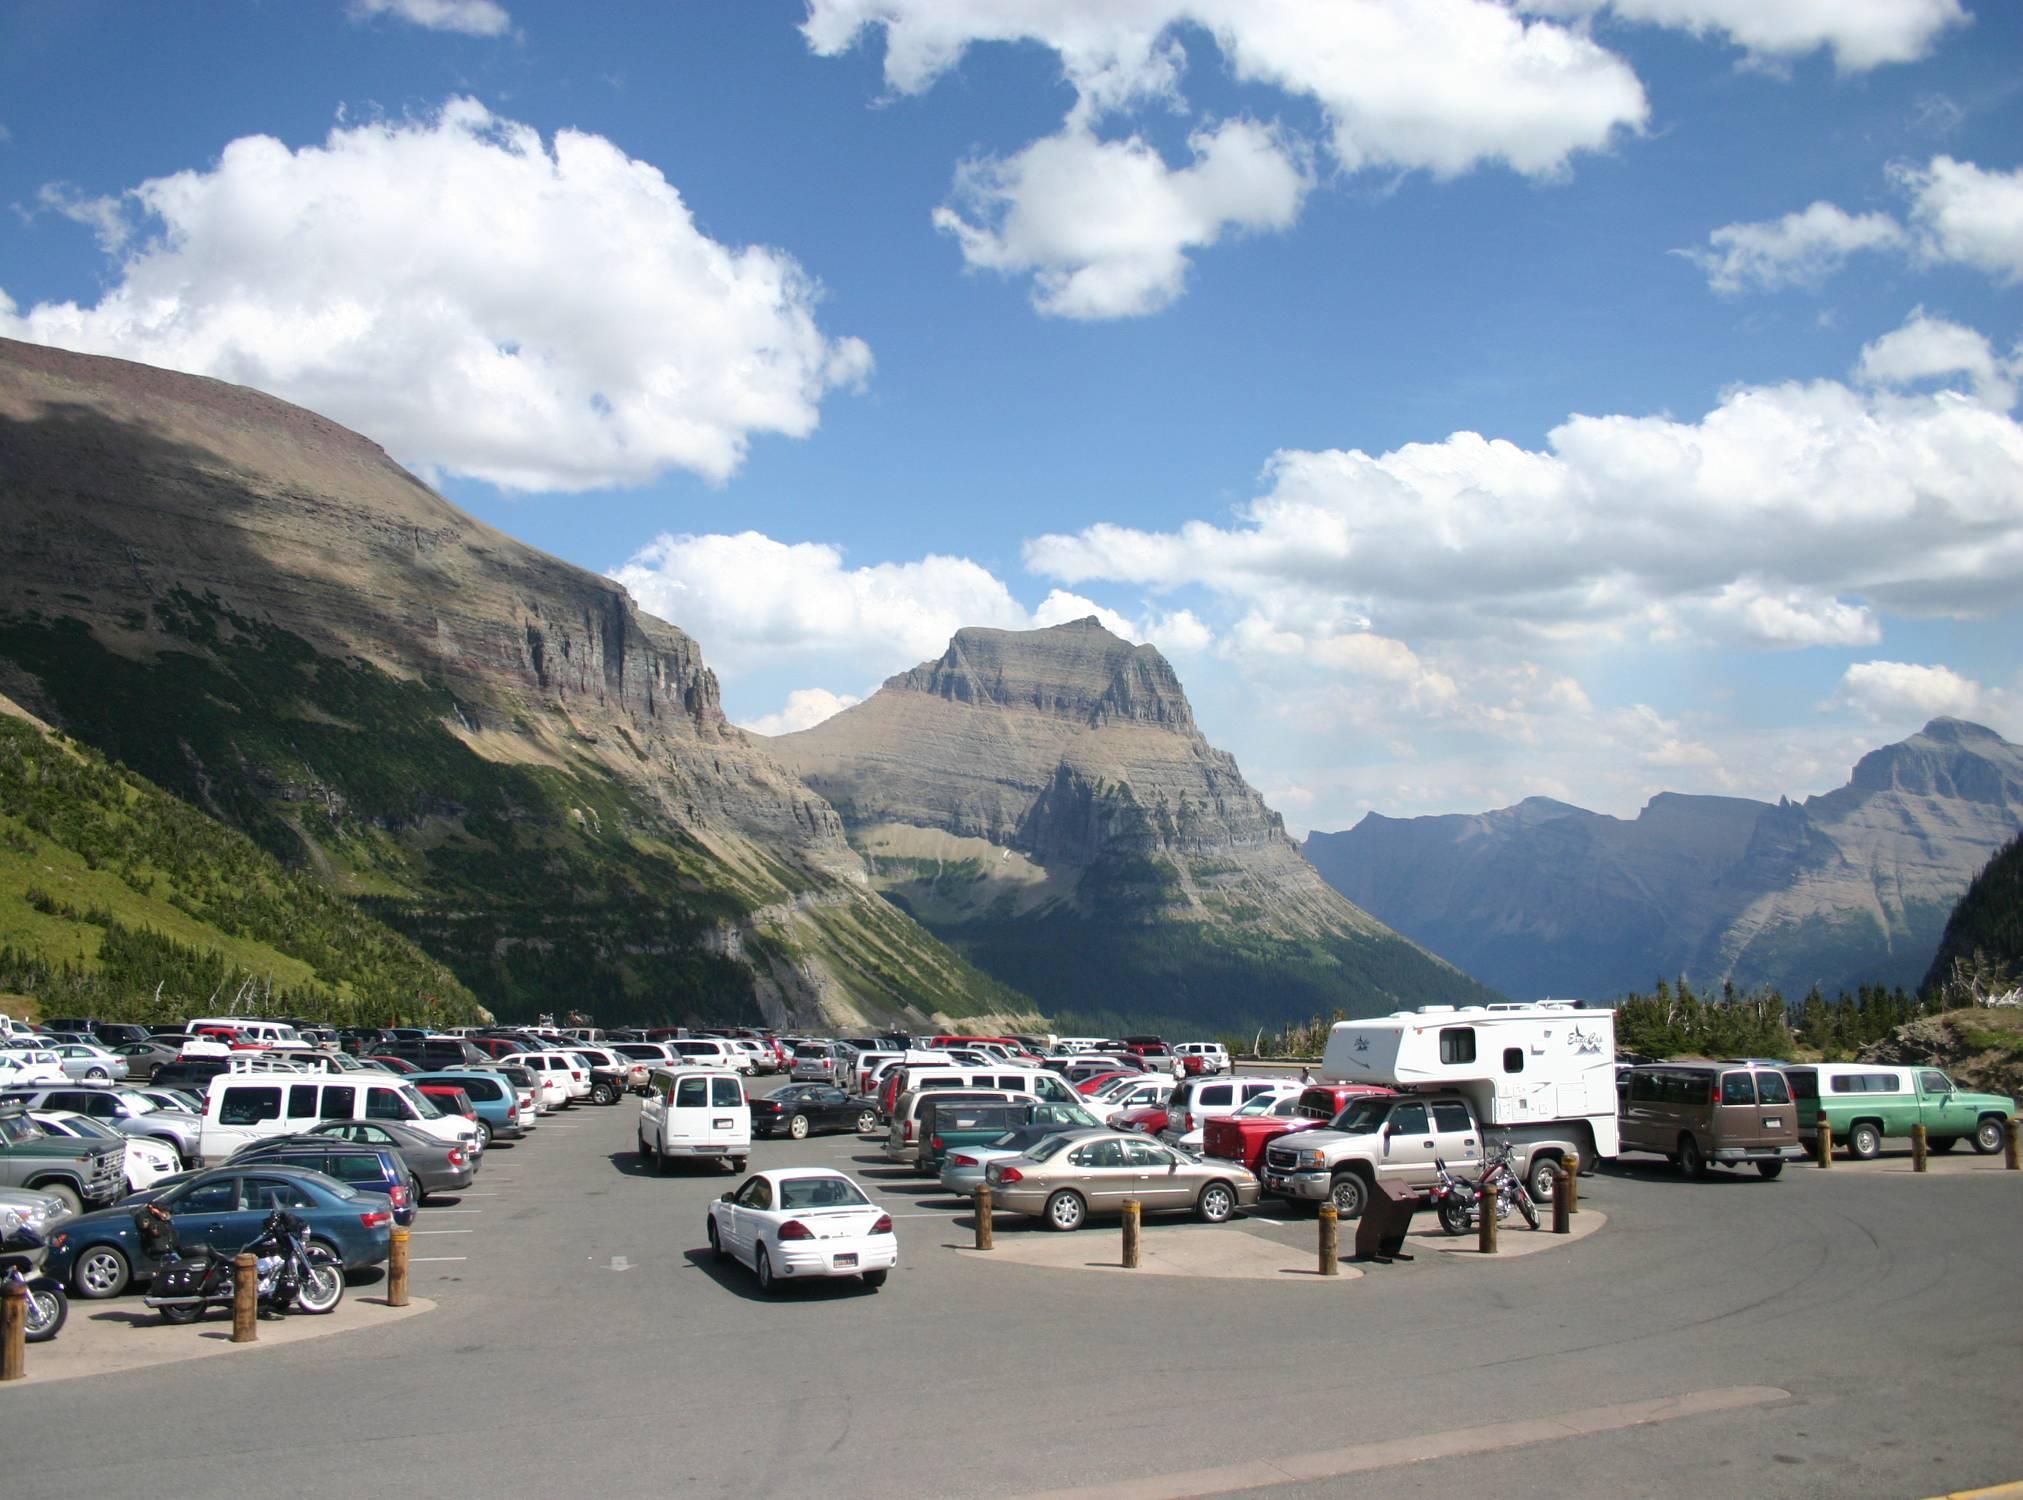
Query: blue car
[[491, 1094], [100, 1253]]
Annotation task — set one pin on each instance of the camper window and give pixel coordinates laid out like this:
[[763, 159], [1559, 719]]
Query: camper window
[[1513, 1059], [1457, 1044]]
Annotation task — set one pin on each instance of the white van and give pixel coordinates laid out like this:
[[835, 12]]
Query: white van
[[270, 1034], [564, 1076], [245, 1107], [695, 1112]]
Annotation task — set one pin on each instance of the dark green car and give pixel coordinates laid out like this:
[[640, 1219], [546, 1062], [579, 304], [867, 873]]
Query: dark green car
[[946, 1124]]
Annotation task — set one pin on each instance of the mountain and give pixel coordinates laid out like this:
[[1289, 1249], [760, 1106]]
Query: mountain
[[117, 900], [1045, 802], [1848, 888], [1983, 941], [494, 752]]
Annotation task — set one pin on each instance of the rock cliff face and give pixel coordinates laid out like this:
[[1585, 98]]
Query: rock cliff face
[[265, 614], [1044, 800], [1847, 888]]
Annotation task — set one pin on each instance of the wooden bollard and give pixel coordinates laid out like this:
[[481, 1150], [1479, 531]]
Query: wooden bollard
[[396, 1269], [1485, 1231], [2012, 1154], [1823, 1152], [982, 1212], [1331, 1240], [1918, 1139], [1131, 1213], [1562, 1201], [13, 1331], [245, 1299], [1571, 1191]]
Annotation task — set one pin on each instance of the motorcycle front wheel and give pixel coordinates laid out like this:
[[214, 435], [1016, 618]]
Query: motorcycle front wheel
[[322, 1285], [1525, 1206], [46, 1312], [1453, 1216]]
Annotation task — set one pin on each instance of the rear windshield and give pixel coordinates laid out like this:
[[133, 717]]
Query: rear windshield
[[1049, 1148], [1770, 1088], [821, 1192]]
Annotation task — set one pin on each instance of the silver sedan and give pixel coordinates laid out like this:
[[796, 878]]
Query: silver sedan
[[87, 1063], [1065, 1178]]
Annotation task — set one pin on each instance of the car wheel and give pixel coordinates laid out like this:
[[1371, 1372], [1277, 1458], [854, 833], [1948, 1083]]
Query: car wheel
[[1542, 1178], [1218, 1202], [484, 1135], [1770, 1169], [716, 1244], [735, 1163], [661, 1160], [65, 1195], [875, 1279], [96, 1075], [867, 1122], [1943, 1143], [1865, 1142], [603, 1093], [1351, 1195], [798, 1127], [645, 1151], [1066, 1211], [1692, 1160], [762, 1263], [1988, 1135], [99, 1272]]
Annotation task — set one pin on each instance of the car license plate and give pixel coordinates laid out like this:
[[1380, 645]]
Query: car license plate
[[847, 1258], [1772, 1123]]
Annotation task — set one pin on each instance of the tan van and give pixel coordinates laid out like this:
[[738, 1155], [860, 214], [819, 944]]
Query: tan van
[[1703, 1114]]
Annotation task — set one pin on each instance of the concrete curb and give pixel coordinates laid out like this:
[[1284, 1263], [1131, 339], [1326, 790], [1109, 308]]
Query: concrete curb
[[109, 1339]]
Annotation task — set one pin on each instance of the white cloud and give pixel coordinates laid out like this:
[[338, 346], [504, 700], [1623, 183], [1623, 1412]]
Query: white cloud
[[471, 17], [479, 301], [1105, 226], [1900, 691], [1179, 633], [1060, 606], [804, 709], [1862, 34], [1785, 514], [1928, 348], [1800, 249], [1966, 215], [104, 216]]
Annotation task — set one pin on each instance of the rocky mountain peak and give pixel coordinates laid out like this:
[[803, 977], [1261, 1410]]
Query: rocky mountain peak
[[1078, 671], [1947, 758]]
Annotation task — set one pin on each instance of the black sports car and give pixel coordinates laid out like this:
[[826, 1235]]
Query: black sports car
[[801, 1109]]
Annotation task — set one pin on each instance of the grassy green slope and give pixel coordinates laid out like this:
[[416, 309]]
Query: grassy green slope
[[119, 900]]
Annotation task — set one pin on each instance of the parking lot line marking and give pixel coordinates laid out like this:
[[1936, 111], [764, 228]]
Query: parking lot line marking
[[1299, 1468], [441, 1231], [949, 1213]]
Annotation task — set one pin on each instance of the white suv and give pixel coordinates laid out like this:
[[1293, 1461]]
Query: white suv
[[1214, 1056], [1199, 1100]]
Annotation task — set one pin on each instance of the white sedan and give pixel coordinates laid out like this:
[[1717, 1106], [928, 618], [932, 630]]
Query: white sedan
[[796, 1223]]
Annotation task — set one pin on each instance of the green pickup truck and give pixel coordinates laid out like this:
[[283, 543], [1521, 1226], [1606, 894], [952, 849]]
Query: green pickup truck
[[85, 1174], [1865, 1102]]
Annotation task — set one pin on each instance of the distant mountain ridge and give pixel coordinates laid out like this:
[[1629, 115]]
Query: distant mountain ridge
[[1846, 888], [1045, 802], [497, 753]]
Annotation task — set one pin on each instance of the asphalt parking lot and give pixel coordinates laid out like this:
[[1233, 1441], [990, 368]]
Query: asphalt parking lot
[[1844, 1333]]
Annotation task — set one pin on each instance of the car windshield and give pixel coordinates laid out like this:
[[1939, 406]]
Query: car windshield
[[821, 1192], [140, 1104], [423, 1105], [84, 1126], [16, 1130], [1362, 1116], [1263, 1104]]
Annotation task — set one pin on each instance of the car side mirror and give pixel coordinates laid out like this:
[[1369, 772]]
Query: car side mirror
[[728, 1198]]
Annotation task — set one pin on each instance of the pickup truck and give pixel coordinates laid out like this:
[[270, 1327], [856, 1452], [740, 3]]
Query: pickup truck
[[1394, 1139], [1243, 1136], [85, 1174]]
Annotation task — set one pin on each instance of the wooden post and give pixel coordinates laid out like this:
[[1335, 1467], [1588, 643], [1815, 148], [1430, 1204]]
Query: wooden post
[[245, 1299], [1572, 1180], [2013, 1153], [396, 1269], [1823, 1152], [13, 1331], [1331, 1240], [1918, 1148], [1562, 1202], [1131, 1213], [1485, 1206], [982, 1211]]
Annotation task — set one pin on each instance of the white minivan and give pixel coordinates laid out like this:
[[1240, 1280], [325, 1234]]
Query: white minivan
[[245, 1107], [695, 1112]]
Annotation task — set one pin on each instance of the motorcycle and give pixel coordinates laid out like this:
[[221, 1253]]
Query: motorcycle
[[22, 1253], [1457, 1200], [289, 1272]]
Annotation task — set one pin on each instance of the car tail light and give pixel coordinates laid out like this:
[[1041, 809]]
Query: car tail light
[[512, 1112], [962, 1161], [1010, 1174], [375, 1219], [934, 1144], [794, 1229], [398, 1193], [883, 1226], [909, 1129], [456, 1156]]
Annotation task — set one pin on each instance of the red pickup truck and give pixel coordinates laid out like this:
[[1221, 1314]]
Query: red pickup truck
[[1243, 1137]]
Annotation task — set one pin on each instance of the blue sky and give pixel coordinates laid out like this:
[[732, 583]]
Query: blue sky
[[1474, 399]]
